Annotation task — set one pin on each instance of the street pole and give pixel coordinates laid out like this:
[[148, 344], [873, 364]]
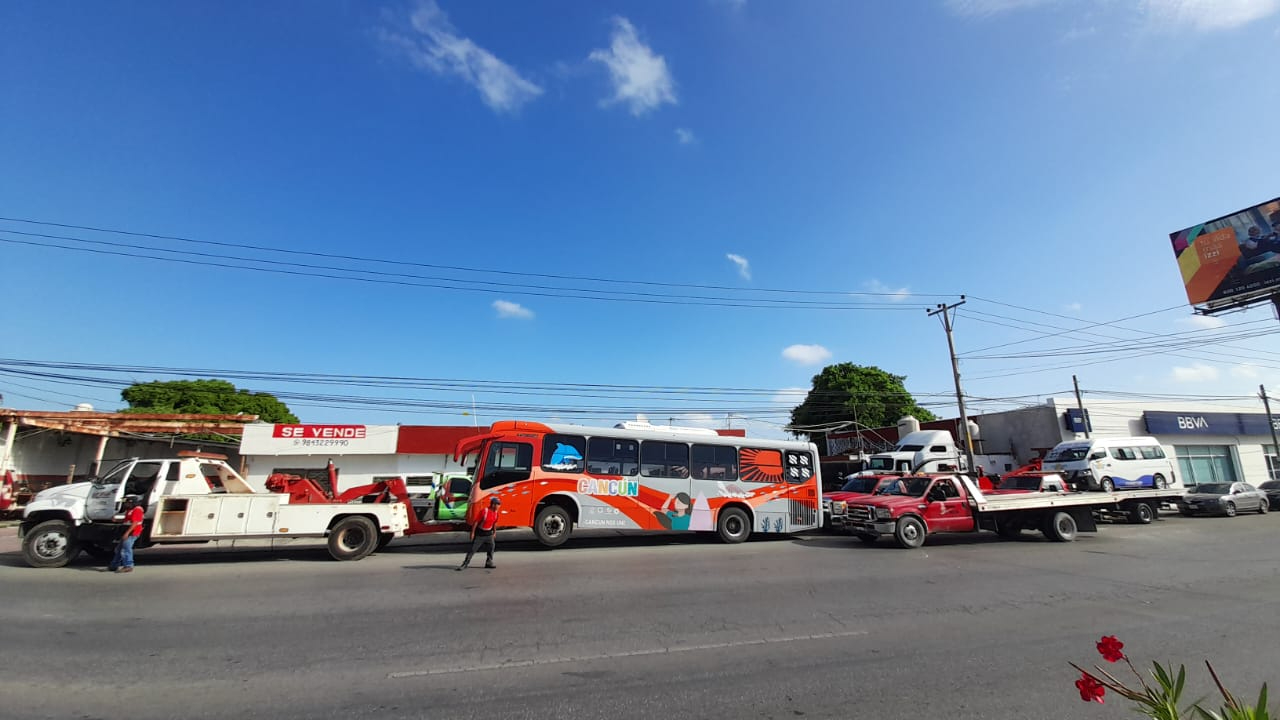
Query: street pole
[[1084, 419], [945, 312], [1271, 423]]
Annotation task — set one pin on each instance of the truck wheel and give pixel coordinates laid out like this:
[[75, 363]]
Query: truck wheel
[[384, 540], [553, 525], [910, 533], [1159, 482], [733, 525], [868, 539], [52, 543], [1107, 485], [1142, 514], [1061, 527], [352, 538]]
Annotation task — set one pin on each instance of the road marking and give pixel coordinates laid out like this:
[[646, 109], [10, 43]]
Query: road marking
[[614, 656]]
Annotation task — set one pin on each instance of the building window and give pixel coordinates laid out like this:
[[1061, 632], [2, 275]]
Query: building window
[[1206, 464], [1273, 462]]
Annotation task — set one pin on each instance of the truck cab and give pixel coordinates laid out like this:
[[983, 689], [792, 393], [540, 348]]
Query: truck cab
[[920, 451]]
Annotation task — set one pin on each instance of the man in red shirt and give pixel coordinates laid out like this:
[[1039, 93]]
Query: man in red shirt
[[482, 533], [123, 560]]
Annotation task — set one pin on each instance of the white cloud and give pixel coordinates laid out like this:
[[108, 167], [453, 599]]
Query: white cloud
[[1074, 307], [744, 265], [1207, 14], [685, 136], [431, 43], [1198, 372], [512, 310], [1248, 371], [1206, 322], [640, 78], [895, 294], [806, 354], [990, 7]]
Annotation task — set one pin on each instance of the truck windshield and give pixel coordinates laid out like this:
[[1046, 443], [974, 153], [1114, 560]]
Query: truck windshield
[[114, 475], [911, 487], [879, 463], [860, 484], [1067, 454], [910, 448]]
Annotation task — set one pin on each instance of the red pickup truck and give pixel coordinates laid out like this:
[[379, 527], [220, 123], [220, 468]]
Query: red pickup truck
[[912, 508]]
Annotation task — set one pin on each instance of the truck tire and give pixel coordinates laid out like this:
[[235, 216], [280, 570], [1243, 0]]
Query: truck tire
[[1060, 527], [1107, 485], [51, 543], [733, 526], [1159, 483], [910, 533], [352, 538], [1142, 514], [553, 526]]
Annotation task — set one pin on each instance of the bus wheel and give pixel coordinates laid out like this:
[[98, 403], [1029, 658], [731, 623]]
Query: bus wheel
[[910, 533], [1160, 482], [1107, 485], [1061, 527], [733, 526], [553, 526], [1142, 514]]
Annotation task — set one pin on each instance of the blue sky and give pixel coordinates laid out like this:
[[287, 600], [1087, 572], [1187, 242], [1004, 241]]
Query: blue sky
[[1033, 155]]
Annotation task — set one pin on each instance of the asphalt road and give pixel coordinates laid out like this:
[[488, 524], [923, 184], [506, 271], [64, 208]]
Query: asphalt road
[[669, 626]]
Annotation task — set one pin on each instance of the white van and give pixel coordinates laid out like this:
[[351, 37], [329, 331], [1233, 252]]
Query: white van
[[1110, 463]]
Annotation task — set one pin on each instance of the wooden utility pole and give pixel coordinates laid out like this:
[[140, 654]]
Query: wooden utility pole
[[945, 312], [1084, 419]]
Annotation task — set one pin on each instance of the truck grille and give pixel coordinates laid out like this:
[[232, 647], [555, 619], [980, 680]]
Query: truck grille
[[860, 512]]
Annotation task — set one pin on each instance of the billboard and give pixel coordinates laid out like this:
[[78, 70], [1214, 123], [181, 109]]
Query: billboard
[[1233, 260]]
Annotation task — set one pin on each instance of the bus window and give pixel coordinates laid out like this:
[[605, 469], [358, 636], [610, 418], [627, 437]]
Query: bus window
[[1152, 452], [799, 467], [664, 459], [563, 453], [612, 456], [715, 462], [507, 462], [1123, 453]]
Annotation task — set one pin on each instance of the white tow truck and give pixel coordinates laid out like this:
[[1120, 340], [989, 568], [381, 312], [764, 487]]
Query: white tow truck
[[198, 497]]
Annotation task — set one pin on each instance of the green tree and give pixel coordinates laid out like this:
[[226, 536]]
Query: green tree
[[204, 397], [847, 392]]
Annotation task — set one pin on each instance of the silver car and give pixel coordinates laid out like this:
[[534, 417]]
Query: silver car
[[1223, 499]]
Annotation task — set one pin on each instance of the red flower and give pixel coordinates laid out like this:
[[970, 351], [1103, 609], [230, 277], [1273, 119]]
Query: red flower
[[1090, 689], [1111, 648]]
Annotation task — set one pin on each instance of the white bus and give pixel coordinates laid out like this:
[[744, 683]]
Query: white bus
[[1110, 463]]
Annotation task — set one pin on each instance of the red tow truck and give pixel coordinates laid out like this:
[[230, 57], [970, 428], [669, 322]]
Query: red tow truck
[[914, 507]]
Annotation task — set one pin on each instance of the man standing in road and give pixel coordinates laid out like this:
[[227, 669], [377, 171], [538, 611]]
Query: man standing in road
[[123, 560], [482, 533]]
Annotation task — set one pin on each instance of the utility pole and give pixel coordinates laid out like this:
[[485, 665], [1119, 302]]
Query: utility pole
[[1275, 445], [945, 312], [1084, 419]]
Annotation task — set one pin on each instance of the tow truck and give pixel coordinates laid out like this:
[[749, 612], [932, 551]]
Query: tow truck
[[916, 506], [197, 498]]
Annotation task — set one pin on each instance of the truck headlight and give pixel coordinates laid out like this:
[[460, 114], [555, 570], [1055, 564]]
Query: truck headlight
[[839, 507], [883, 513]]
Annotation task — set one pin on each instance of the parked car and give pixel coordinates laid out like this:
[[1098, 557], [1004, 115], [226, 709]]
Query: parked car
[[1223, 499], [1272, 489]]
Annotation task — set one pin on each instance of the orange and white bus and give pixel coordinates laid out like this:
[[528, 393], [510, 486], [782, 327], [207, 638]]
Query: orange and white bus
[[642, 477]]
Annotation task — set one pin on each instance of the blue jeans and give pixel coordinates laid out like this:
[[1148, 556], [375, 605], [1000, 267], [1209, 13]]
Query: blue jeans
[[124, 554]]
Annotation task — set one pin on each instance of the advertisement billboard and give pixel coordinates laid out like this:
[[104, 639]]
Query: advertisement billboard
[[1233, 260]]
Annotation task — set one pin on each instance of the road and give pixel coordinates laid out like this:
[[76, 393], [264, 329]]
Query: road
[[666, 626]]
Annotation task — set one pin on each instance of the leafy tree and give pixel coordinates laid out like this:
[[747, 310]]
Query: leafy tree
[[204, 397], [847, 392]]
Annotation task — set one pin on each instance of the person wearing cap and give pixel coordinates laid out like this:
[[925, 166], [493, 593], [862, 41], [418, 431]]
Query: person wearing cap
[[482, 533], [123, 559]]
